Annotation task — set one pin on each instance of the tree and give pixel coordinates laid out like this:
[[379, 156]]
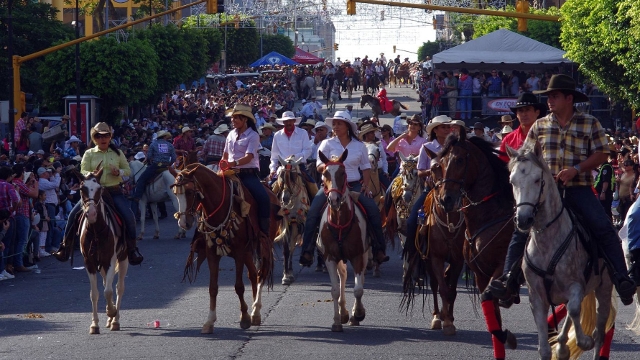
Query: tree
[[428, 49], [119, 73], [35, 28], [278, 43], [604, 38]]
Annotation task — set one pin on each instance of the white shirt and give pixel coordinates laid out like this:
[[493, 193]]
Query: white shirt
[[534, 83], [398, 128], [424, 161], [382, 162], [298, 145], [357, 159], [307, 110], [317, 105]]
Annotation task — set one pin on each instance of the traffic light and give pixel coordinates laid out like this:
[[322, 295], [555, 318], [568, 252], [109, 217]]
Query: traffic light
[[522, 6], [435, 23], [351, 7], [335, 46], [215, 6], [394, 49]]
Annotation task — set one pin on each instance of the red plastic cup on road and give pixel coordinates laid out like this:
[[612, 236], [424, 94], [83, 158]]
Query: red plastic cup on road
[[156, 324]]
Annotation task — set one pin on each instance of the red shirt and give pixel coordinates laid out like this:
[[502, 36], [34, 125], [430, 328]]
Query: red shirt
[[514, 139]]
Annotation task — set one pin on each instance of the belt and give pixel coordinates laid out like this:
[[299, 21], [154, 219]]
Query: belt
[[113, 189], [353, 183], [160, 164], [247, 170]]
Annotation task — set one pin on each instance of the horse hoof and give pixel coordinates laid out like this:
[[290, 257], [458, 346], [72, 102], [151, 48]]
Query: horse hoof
[[177, 237], [587, 344], [436, 324], [156, 237], [449, 330], [115, 327], [354, 322], [344, 318], [376, 273], [256, 320], [358, 318], [207, 329], [112, 313], [183, 236], [336, 328], [511, 342], [245, 322], [286, 281], [94, 330]]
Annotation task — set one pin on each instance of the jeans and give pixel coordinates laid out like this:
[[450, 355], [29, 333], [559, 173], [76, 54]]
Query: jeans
[[51, 212], [633, 226], [9, 239], [259, 193], [144, 178], [581, 200], [412, 220], [314, 215], [384, 179], [465, 104], [123, 207], [22, 236], [516, 249]]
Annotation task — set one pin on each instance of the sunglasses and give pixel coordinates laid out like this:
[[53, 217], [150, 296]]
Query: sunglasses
[[102, 136]]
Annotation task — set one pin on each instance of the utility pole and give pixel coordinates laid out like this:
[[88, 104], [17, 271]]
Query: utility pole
[[10, 62]]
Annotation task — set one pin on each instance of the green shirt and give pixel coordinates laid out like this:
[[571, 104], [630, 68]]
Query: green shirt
[[92, 159]]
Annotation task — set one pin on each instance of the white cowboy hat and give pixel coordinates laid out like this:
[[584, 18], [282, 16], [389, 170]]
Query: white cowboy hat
[[288, 115], [320, 124], [221, 129], [186, 128], [139, 156], [505, 130], [73, 138], [308, 122], [343, 116], [437, 121], [163, 133]]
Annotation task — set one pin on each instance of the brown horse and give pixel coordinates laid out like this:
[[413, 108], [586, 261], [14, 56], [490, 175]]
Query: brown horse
[[103, 250], [227, 225], [374, 103], [476, 182], [343, 237]]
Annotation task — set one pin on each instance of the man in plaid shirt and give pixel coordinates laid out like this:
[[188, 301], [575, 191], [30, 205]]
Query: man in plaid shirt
[[214, 146], [573, 144]]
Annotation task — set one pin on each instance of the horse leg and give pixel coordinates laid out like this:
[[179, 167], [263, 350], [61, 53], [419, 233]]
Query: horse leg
[[107, 280], [436, 319], [213, 261], [451, 277], [358, 310], [123, 266], [286, 252], [245, 319], [332, 268], [437, 268], [94, 294], [574, 306], [154, 215], [142, 207], [256, 289], [342, 301], [603, 310]]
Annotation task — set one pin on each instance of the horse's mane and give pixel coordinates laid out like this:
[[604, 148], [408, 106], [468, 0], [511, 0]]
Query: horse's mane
[[527, 153]]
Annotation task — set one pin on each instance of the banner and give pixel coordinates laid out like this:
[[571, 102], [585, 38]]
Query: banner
[[497, 106], [84, 117]]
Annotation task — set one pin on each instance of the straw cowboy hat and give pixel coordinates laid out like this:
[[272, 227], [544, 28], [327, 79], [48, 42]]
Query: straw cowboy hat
[[528, 99], [343, 116], [564, 83], [288, 115], [506, 120], [459, 123], [244, 110], [221, 129], [100, 128], [437, 121], [268, 126], [163, 133], [367, 128], [309, 122], [505, 130], [186, 128]]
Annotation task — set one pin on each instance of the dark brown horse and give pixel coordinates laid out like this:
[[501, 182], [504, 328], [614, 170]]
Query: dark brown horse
[[103, 249], [227, 225], [374, 103], [476, 182]]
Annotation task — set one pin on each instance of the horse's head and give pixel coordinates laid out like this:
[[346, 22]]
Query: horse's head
[[363, 100], [455, 164], [374, 155], [529, 177], [189, 198], [334, 179], [409, 175], [91, 195], [287, 177]]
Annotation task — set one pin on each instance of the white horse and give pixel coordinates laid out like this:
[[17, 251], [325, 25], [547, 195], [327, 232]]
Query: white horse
[[155, 192], [308, 87], [332, 98], [555, 258]]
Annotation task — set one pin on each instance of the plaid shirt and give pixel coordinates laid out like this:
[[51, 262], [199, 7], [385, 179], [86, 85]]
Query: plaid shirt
[[214, 146], [23, 190], [8, 195], [565, 148], [181, 143]]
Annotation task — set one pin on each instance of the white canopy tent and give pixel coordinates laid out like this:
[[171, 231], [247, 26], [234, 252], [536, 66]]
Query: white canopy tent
[[503, 50]]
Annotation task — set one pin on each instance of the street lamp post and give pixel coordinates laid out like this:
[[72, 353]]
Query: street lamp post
[[10, 62], [78, 120]]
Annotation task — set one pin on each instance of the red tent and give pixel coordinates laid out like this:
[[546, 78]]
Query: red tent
[[304, 57]]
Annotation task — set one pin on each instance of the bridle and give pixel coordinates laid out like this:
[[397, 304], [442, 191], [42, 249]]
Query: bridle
[[340, 192], [536, 206], [179, 188], [287, 185]]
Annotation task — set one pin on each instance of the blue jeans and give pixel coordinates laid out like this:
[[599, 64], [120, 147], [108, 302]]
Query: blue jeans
[[384, 179], [583, 203], [314, 215], [412, 220], [51, 211], [259, 193], [633, 226], [123, 207], [465, 104], [146, 176], [516, 249], [22, 236], [9, 239]]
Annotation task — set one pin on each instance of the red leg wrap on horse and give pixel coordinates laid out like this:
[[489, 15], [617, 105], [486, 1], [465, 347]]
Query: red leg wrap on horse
[[488, 310], [606, 347], [498, 348], [561, 313]]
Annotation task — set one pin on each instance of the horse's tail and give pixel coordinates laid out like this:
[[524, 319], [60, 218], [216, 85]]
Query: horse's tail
[[283, 232], [588, 321], [266, 261], [403, 106], [414, 269], [192, 267]]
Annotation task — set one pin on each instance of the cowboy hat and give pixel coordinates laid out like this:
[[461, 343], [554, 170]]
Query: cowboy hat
[[221, 129], [65, 117], [367, 128], [139, 156], [528, 99], [505, 130], [308, 122], [320, 124], [244, 110], [478, 126], [564, 83], [73, 138], [288, 115], [506, 120], [185, 129], [342, 116], [437, 121], [268, 126], [163, 133], [100, 128]]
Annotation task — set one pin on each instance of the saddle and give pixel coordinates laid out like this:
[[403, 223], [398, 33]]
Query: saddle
[[158, 174]]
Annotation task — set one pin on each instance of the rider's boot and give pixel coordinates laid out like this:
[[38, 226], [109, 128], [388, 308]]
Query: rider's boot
[[506, 288], [264, 224], [634, 270], [379, 248], [306, 258], [66, 247], [135, 258]]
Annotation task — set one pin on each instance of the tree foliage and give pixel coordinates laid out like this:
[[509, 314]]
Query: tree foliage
[[35, 28], [118, 73], [278, 43], [428, 49], [604, 38]]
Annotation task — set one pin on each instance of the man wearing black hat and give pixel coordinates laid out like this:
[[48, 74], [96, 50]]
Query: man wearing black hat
[[574, 144]]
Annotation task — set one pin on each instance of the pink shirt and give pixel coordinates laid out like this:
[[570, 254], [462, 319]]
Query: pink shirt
[[408, 149]]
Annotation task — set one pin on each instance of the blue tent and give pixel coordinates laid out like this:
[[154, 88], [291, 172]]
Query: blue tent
[[273, 58]]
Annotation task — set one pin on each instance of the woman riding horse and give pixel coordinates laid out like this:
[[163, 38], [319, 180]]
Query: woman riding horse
[[107, 157], [357, 160]]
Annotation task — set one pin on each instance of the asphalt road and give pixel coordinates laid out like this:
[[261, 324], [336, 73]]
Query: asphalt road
[[47, 315]]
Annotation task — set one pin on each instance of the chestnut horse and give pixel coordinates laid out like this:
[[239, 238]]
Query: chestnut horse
[[103, 249], [476, 182], [374, 103], [227, 225], [343, 237]]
